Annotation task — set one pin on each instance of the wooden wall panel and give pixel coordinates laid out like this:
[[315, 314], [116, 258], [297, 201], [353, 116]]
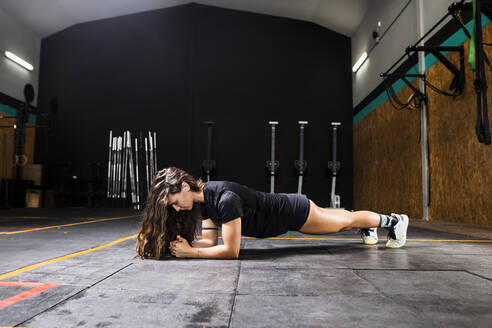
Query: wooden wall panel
[[461, 166], [9, 134], [385, 145], [387, 175]]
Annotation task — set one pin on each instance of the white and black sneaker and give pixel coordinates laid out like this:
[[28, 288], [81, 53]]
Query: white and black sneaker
[[369, 236], [397, 235]]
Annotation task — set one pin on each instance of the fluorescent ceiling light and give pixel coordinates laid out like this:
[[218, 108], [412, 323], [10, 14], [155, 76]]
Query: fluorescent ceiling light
[[359, 62], [18, 60]]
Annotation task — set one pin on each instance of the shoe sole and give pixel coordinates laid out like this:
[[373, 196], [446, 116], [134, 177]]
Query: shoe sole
[[389, 246], [405, 236]]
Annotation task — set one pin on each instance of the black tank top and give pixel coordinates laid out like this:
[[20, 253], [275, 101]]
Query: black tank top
[[226, 200]]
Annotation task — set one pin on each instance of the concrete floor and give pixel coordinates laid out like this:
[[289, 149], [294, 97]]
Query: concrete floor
[[299, 281]]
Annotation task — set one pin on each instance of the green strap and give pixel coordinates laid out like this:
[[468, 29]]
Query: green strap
[[471, 55]]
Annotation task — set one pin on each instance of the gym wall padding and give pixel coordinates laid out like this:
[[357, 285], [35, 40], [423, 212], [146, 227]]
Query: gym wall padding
[[387, 155], [169, 70]]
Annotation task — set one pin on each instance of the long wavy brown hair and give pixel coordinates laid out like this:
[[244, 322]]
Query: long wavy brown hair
[[162, 223]]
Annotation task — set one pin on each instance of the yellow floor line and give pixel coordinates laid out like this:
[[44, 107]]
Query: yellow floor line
[[67, 225], [455, 240], [34, 266], [37, 265], [25, 217], [408, 239]]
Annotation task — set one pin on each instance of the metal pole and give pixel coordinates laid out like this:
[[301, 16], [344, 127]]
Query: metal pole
[[109, 164], [302, 163], [120, 158], [423, 115], [272, 164], [136, 174], [151, 157], [132, 171], [113, 168], [272, 176], [334, 203], [155, 154], [146, 165], [125, 171], [123, 168]]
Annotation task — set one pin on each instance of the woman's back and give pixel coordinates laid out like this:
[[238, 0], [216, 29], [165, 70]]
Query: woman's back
[[262, 214]]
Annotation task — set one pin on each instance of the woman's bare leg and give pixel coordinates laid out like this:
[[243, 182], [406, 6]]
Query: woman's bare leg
[[323, 220]]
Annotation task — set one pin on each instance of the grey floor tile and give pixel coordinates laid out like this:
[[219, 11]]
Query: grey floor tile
[[151, 307], [322, 311]]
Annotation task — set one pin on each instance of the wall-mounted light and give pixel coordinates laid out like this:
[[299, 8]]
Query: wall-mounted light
[[18, 60], [359, 62]]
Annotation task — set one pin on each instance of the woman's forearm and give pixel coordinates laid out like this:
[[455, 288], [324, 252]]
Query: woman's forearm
[[214, 252], [202, 243]]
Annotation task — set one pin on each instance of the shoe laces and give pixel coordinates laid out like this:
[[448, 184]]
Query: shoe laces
[[391, 230], [365, 232], [391, 233]]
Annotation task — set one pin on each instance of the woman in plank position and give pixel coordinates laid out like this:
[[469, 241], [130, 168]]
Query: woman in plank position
[[177, 202]]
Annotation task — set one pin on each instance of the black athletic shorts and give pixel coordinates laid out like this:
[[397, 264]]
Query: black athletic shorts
[[295, 210], [287, 212]]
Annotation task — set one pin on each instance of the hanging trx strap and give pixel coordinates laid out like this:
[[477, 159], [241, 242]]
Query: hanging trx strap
[[476, 59], [471, 55], [482, 125]]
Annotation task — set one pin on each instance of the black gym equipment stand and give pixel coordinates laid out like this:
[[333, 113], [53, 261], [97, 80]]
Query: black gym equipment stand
[[209, 165]]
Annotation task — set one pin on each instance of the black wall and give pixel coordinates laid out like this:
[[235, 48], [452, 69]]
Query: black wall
[[169, 70]]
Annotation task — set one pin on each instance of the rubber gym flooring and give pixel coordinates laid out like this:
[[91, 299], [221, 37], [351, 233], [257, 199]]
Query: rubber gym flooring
[[74, 267]]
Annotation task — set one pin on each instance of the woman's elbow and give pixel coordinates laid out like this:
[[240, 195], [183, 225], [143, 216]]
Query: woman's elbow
[[234, 254]]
